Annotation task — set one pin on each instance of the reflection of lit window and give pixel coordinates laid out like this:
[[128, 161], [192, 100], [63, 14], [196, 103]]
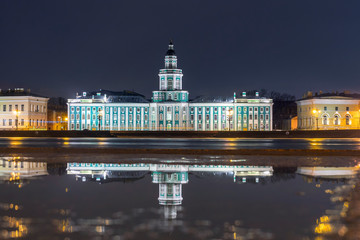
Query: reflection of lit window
[[169, 189]]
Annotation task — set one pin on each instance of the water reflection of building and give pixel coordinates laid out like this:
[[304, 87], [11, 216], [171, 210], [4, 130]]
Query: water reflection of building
[[14, 171], [328, 172], [169, 177]]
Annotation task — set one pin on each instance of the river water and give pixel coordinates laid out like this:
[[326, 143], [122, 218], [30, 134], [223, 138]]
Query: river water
[[184, 143], [47, 200]]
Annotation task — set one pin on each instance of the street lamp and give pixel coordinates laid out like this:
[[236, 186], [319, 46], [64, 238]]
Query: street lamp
[[100, 117], [59, 123], [16, 112], [66, 124], [317, 112], [229, 114]]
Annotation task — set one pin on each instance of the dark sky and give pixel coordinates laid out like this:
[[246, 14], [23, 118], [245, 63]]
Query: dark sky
[[58, 48]]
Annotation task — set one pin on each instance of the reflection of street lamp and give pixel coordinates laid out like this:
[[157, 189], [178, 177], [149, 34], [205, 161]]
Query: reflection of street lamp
[[316, 111], [229, 114], [16, 112], [100, 117]]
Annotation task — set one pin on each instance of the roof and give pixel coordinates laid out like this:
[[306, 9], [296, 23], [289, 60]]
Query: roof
[[212, 99], [17, 92], [340, 96], [112, 96]]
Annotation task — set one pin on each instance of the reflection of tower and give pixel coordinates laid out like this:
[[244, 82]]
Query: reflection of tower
[[170, 190]]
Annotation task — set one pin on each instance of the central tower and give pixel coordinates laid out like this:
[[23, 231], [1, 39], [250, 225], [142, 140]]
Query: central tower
[[170, 80]]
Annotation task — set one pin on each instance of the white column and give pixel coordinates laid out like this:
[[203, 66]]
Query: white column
[[195, 119], [126, 118], [111, 118], [142, 119]]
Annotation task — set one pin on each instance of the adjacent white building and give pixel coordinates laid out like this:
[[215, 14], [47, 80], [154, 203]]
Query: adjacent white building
[[21, 110]]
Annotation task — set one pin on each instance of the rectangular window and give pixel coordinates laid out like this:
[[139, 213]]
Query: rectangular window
[[4, 108], [4, 122], [10, 122], [16, 107], [22, 107], [10, 108], [325, 108], [215, 117], [347, 108], [250, 117], [336, 108], [22, 122]]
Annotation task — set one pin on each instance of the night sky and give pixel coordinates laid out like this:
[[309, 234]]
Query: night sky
[[58, 48]]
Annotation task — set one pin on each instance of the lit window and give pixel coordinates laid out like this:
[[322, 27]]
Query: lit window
[[348, 122]]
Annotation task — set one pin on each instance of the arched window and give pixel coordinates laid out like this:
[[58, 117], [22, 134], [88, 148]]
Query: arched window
[[337, 120], [325, 120], [348, 122]]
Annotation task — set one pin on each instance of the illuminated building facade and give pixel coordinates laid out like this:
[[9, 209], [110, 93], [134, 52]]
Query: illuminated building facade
[[168, 109], [329, 111], [22, 110]]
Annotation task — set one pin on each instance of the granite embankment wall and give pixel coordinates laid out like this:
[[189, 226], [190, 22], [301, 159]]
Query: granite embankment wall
[[188, 134]]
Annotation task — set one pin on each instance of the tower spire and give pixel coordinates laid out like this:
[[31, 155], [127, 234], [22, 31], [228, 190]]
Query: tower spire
[[170, 51]]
